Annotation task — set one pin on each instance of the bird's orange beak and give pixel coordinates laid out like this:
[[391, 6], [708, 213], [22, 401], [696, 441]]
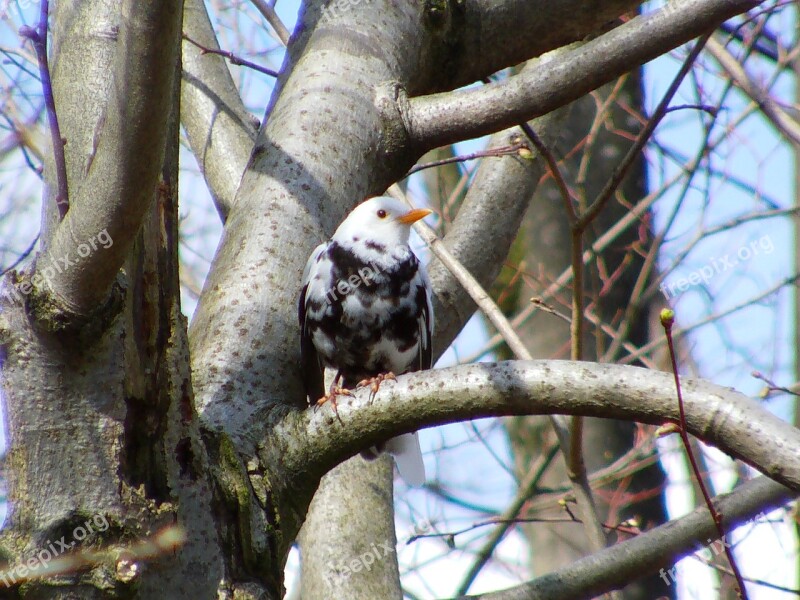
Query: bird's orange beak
[[413, 216]]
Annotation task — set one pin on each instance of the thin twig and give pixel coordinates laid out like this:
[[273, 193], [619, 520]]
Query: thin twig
[[576, 467], [667, 320], [555, 172], [761, 582], [575, 463], [509, 517], [641, 140], [782, 121], [22, 139], [38, 37], [515, 148], [786, 282], [22, 256], [580, 484], [235, 60], [519, 521], [707, 108], [772, 386], [268, 12]]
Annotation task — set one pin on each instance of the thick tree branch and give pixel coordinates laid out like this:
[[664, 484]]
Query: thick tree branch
[[315, 440], [221, 132], [484, 45], [450, 117], [485, 227], [655, 551], [78, 269]]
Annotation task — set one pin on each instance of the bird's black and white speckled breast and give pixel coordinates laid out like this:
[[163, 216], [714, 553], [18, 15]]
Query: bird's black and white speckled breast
[[364, 317]]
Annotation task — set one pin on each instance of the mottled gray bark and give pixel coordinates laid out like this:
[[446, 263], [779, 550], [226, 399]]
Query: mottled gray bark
[[348, 543], [100, 416], [220, 130], [112, 376]]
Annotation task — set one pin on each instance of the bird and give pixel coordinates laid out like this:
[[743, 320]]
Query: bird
[[365, 311]]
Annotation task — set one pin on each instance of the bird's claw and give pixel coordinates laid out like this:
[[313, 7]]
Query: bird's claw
[[374, 383], [331, 397]]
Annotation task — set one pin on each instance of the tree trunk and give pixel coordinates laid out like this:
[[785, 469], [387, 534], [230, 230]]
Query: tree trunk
[[183, 464]]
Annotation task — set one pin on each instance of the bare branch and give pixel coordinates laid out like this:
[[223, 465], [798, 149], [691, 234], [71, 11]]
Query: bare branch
[[717, 415], [641, 140], [442, 119], [782, 121], [123, 177], [667, 320], [483, 45], [220, 130], [38, 37], [273, 19], [651, 552], [231, 57], [518, 147]]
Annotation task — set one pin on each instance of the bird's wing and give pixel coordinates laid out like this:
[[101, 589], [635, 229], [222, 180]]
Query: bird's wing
[[310, 365], [425, 325], [405, 448]]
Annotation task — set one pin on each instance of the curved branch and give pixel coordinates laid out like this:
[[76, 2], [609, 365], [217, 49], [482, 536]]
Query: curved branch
[[445, 118], [314, 441], [220, 130], [94, 238], [652, 552], [485, 46]]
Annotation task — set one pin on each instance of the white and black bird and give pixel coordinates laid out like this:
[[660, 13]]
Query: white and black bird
[[365, 310]]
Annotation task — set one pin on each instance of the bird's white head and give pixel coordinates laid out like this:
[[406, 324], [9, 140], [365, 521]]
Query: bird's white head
[[382, 219]]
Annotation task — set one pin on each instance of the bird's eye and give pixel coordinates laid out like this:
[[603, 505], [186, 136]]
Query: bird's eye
[[381, 214]]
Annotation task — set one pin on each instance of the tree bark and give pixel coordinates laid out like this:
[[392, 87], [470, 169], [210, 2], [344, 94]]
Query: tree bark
[[102, 380]]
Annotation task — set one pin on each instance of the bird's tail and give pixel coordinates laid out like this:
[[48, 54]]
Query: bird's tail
[[408, 456]]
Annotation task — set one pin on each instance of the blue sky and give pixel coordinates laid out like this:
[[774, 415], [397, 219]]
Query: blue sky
[[759, 337]]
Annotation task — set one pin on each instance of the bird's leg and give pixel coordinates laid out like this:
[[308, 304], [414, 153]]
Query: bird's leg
[[335, 390], [374, 383]]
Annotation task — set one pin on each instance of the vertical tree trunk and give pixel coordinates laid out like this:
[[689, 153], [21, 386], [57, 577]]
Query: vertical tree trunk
[[348, 544], [104, 441]]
